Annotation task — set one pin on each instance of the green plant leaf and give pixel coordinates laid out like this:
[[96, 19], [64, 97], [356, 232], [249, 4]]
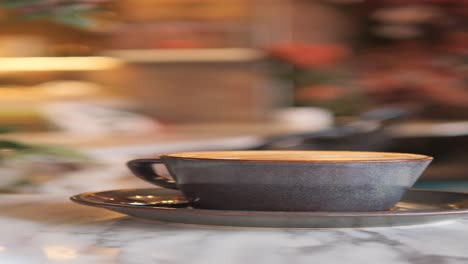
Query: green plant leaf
[[8, 144], [18, 3], [6, 129], [74, 20], [37, 15]]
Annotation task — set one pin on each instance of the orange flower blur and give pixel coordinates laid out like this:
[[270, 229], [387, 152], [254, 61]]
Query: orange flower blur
[[309, 55], [320, 93]]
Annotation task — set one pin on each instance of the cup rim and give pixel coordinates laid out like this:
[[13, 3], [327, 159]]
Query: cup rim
[[229, 156]]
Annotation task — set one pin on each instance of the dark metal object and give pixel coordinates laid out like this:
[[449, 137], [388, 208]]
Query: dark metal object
[[416, 207], [244, 184], [365, 133], [446, 141]]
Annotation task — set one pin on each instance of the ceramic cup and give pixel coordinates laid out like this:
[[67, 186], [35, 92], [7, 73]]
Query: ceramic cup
[[335, 181]]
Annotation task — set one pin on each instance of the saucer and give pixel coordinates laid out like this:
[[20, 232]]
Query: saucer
[[416, 207]]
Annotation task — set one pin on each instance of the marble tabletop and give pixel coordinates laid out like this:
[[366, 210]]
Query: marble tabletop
[[45, 228]]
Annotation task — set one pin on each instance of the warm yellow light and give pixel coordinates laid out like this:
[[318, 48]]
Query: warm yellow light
[[57, 64], [60, 253], [187, 55]]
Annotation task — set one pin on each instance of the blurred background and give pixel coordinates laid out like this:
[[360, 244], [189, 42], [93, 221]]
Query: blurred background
[[87, 84]]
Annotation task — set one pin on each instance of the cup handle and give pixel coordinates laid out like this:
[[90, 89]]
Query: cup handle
[[143, 168]]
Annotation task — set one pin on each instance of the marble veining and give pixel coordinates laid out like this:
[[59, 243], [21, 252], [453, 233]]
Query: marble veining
[[50, 229]]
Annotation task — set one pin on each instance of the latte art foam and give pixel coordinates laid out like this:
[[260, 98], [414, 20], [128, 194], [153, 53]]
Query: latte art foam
[[307, 156]]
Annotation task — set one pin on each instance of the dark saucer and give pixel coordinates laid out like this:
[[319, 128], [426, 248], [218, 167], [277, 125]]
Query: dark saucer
[[416, 207]]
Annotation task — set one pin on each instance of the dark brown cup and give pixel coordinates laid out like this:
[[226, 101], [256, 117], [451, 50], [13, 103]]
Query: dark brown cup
[[335, 181]]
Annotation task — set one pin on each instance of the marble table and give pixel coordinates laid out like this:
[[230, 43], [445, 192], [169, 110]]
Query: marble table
[[45, 228]]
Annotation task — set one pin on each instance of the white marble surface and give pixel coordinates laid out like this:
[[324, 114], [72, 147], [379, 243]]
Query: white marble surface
[[50, 229]]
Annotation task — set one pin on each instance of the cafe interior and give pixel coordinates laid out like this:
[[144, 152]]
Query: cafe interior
[[88, 85]]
